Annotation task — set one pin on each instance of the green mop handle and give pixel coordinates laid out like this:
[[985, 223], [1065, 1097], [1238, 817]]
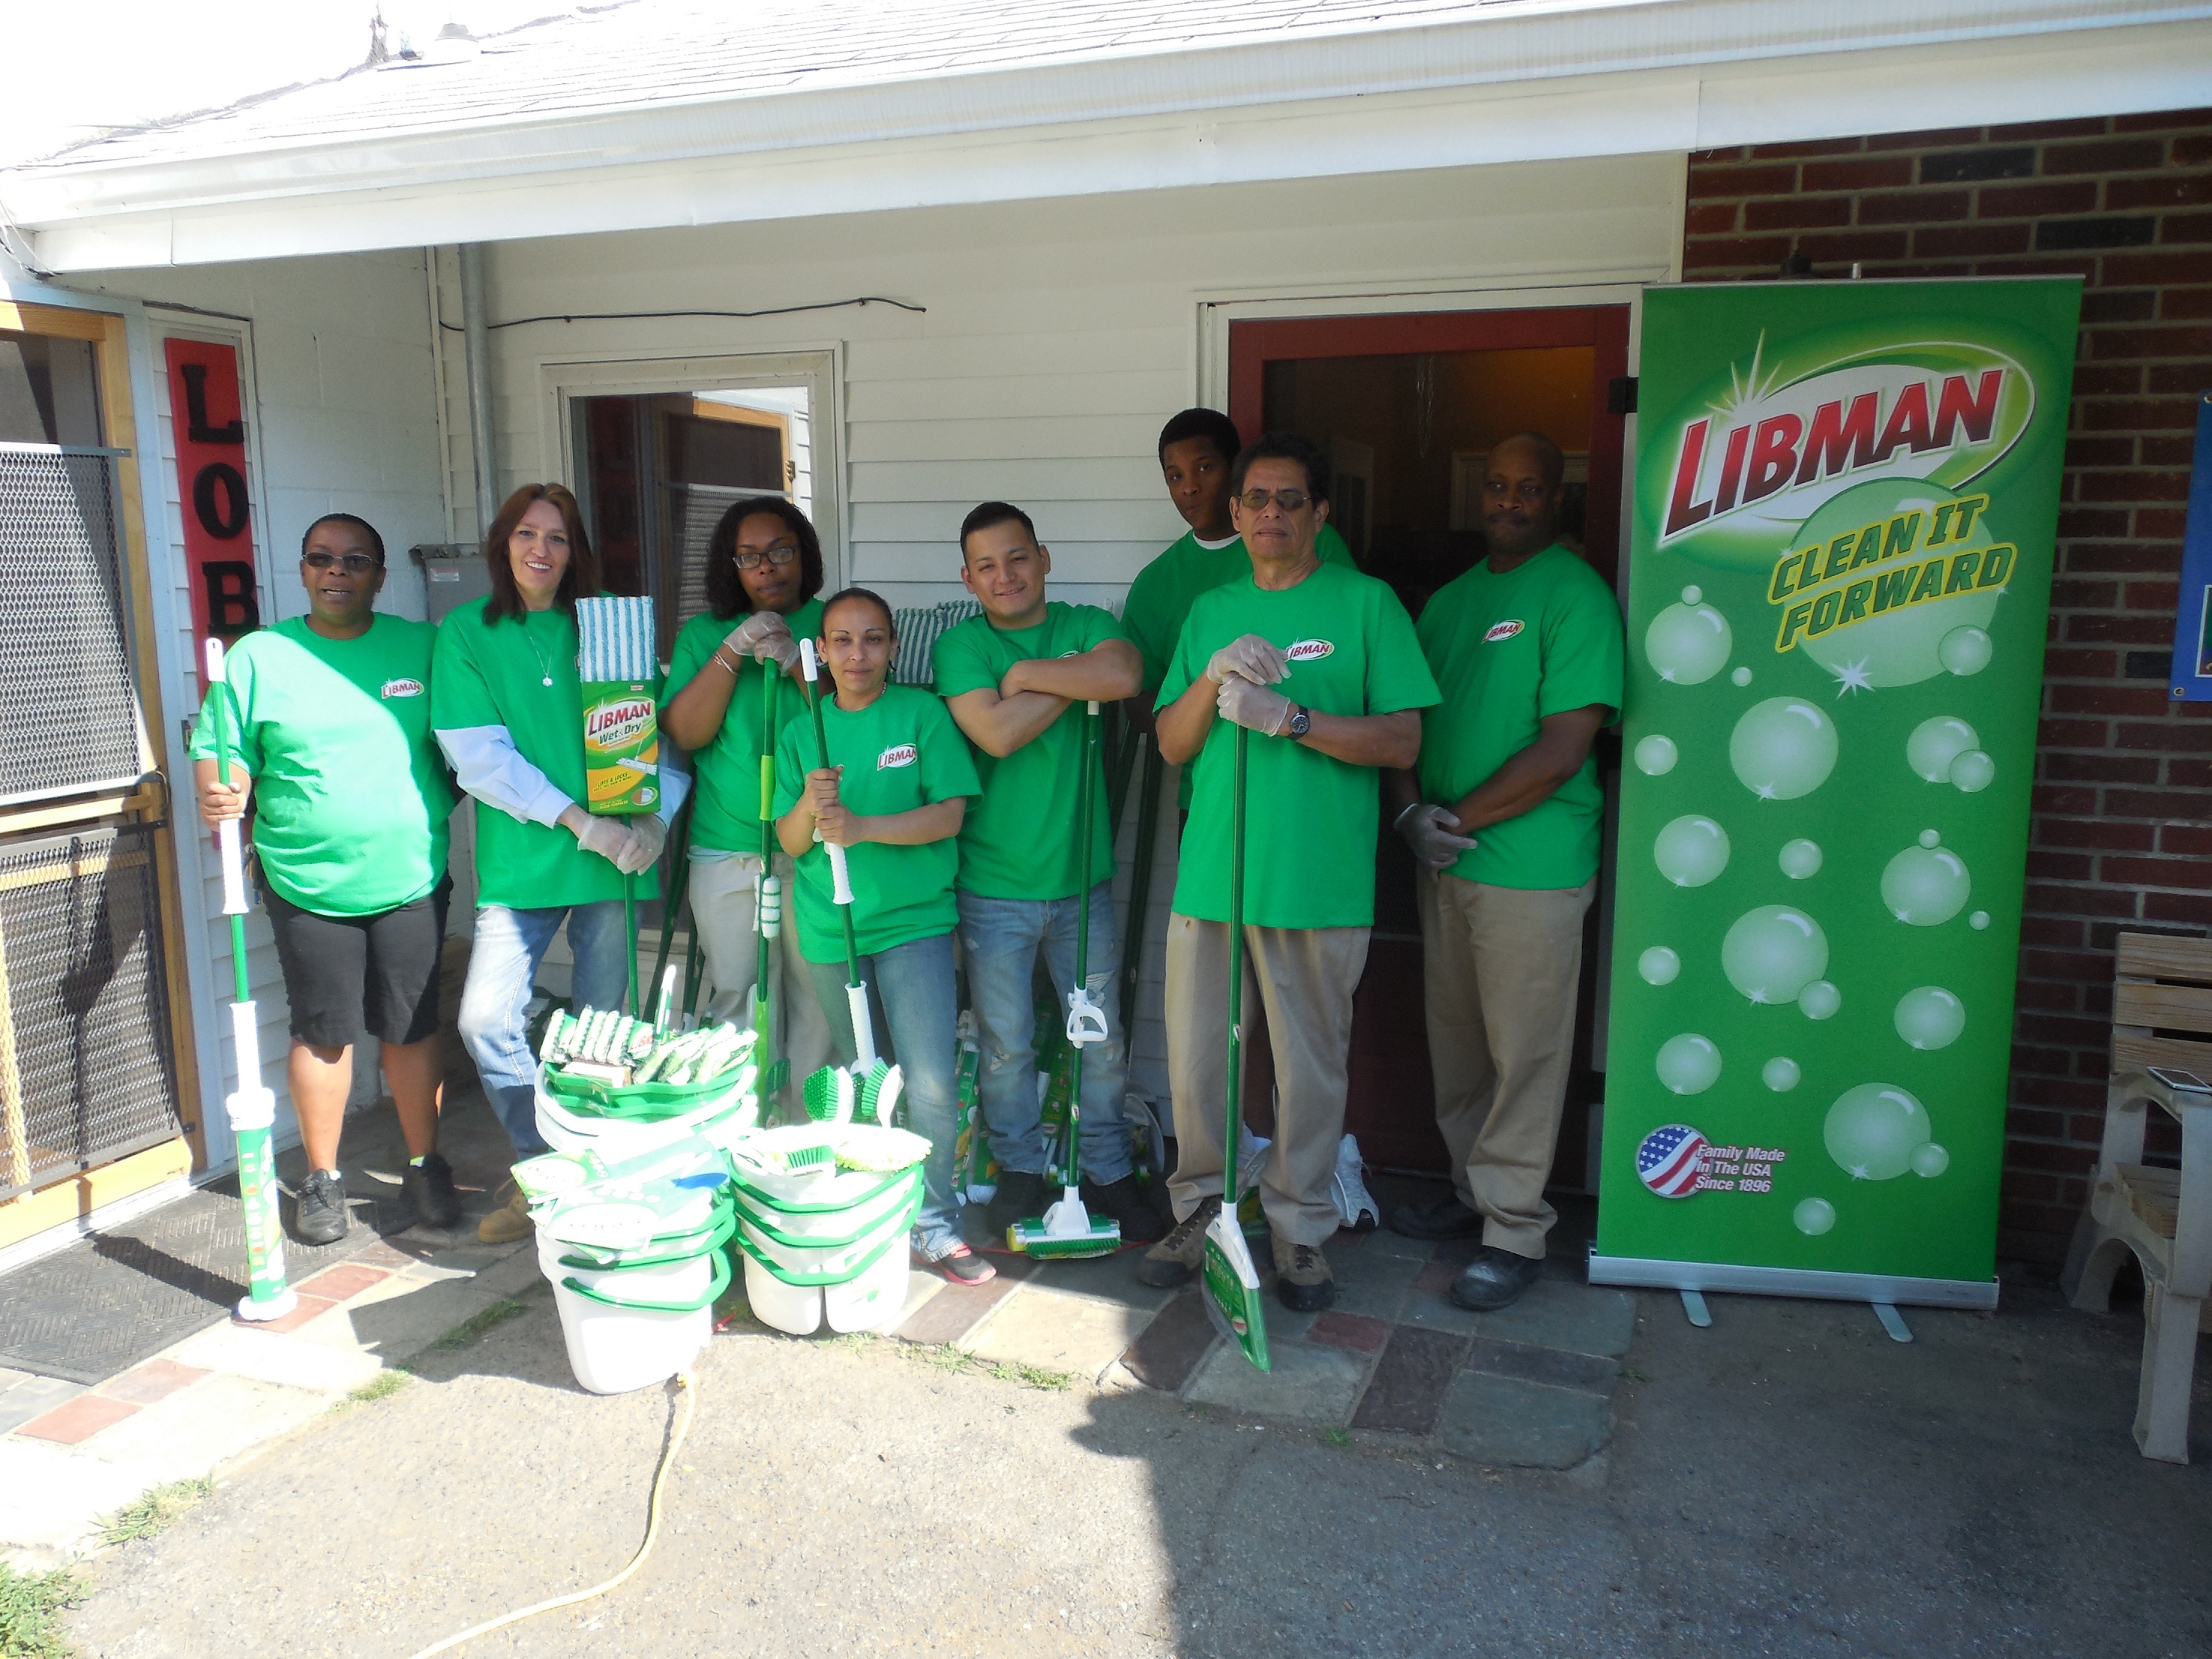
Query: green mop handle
[[1080, 1033], [1235, 971], [252, 1108], [768, 895], [841, 879]]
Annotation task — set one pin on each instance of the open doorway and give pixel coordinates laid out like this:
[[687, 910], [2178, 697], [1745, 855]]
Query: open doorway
[[1407, 408]]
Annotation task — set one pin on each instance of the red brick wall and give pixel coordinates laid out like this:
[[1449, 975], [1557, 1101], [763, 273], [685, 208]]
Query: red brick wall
[[2123, 775]]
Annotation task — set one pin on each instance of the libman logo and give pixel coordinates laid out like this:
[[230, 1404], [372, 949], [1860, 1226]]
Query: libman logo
[[402, 688], [1762, 450], [902, 754], [1504, 630], [1309, 650], [618, 723]]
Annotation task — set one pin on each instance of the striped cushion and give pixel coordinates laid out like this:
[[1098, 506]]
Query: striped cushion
[[919, 631]]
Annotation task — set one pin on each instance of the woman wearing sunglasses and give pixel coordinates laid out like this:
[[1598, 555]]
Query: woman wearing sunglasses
[[330, 717], [764, 570]]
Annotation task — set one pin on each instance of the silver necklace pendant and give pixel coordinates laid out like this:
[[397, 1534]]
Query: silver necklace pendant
[[548, 680]]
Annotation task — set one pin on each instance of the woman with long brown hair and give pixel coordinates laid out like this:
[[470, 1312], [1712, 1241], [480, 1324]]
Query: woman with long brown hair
[[508, 710]]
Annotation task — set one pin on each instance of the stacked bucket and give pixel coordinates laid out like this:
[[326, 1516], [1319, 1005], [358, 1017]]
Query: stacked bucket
[[822, 1244]]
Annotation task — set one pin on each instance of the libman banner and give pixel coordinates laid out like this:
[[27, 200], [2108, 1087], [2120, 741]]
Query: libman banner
[[1845, 499]]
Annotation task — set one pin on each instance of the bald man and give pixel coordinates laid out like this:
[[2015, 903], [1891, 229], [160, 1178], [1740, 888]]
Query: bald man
[[1503, 816]]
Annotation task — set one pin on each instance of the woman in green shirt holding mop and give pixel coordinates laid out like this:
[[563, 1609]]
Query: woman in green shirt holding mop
[[508, 710], [892, 791], [763, 571]]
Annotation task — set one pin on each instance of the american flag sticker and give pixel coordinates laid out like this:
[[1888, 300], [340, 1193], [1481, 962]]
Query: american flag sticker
[[1671, 1159]]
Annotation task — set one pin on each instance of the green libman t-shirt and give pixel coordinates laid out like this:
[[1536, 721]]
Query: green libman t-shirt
[[1160, 598], [1506, 651], [350, 794], [725, 785], [493, 673], [1309, 819], [1018, 842], [902, 751]]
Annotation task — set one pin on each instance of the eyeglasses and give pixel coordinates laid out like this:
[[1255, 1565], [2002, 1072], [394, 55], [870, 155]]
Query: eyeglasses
[[782, 553], [353, 565], [1255, 500]]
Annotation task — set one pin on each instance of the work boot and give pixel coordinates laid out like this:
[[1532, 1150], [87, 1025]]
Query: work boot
[[1435, 1217], [430, 1187], [318, 1215], [1302, 1279], [1022, 1196], [1495, 1279], [508, 1223], [1177, 1256], [1132, 1207]]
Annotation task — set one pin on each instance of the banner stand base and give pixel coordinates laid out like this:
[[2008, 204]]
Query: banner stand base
[[1886, 1293]]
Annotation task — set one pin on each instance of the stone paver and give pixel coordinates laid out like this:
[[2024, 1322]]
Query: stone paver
[[191, 1432], [1502, 1420], [34, 1396], [1311, 1384], [1411, 1380], [156, 1380], [1551, 1314], [1172, 1345], [1062, 1332], [78, 1420], [317, 1367]]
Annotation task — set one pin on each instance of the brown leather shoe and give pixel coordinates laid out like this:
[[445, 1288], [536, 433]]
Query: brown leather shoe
[[1177, 1256], [1302, 1279]]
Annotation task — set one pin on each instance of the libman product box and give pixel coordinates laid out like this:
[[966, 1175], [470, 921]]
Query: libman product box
[[621, 722]]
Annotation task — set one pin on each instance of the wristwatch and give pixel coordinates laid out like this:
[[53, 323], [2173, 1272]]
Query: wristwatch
[[1301, 722]]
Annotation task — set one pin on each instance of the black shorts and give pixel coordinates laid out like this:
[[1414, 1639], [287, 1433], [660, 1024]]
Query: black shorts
[[344, 974]]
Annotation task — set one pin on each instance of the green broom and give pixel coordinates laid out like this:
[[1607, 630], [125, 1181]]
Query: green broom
[[768, 908], [870, 1088], [1066, 1228], [1232, 1283]]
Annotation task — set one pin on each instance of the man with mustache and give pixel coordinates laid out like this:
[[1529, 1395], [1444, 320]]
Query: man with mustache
[[1503, 816]]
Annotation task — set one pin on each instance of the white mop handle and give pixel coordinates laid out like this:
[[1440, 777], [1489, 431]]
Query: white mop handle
[[245, 1045], [840, 878], [864, 1035], [234, 868], [806, 662]]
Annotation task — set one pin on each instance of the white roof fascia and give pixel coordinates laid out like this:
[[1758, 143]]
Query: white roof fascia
[[1501, 88]]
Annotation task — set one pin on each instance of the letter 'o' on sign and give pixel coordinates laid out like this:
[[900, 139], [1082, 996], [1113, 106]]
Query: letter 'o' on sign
[[219, 500]]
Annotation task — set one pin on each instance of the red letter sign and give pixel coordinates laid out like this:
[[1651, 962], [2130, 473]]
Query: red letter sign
[[210, 433]]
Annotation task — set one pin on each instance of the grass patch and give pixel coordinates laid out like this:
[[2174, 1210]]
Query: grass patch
[[382, 1386], [477, 1324], [152, 1510], [1335, 1437], [30, 1604], [950, 1358], [1031, 1377]]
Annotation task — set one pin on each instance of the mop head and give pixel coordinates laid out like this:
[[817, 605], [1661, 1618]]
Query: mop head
[[1066, 1230], [1232, 1289], [622, 728], [877, 1150]]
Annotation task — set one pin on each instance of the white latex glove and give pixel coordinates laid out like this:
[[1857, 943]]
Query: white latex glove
[[648, 836], [1253, 706], [605, 836], [1250, 657], [1427, 829], [765, 637]]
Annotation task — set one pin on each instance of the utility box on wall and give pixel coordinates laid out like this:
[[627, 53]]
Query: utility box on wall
[[453, 573]]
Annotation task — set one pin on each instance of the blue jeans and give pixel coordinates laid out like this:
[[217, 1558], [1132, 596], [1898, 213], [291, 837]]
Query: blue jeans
[[504, 968], [915, 1009], [1002, 936]]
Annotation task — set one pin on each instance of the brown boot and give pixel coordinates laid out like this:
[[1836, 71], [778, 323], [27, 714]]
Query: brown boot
[[1177, 1256], [1302, 1279]]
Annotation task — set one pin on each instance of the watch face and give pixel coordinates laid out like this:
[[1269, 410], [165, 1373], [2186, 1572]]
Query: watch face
[[1301, 720]]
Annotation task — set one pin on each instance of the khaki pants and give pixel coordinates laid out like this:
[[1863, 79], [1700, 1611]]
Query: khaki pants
[[1305, 977], [723, 894], [1502, 965]]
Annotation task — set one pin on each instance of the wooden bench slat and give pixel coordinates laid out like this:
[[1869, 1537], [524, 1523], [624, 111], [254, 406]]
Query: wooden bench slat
[[2162, 955], [2173, 1007], [2133, 1051], [2153, 1193]]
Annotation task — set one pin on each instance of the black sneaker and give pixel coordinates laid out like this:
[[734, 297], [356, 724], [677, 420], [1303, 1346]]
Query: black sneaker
[[963, 1266], [1132, 1207], [1495, 1279], [319, 1216], [430, 1187], [1021, 1196], [1435, 1217]]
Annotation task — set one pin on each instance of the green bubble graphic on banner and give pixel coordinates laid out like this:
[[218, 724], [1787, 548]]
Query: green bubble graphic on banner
[[1814, 1215], [1974, 771], [1872, 1130], [1659, 966], [1783, 748], [1742, 677], [1689, 1064], [1772, 953], [1935, 742], [1930, 1016], [1688, 643], [1925, 886], [1965, 650], [1656, 756], [1800, 859], [1780, 1074], [1690, 851], [1892, 638], [1819, 1000], [1930, 1160]]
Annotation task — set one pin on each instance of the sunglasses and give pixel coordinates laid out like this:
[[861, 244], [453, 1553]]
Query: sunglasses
[[782, 553], [354, 564], [1255, 500]]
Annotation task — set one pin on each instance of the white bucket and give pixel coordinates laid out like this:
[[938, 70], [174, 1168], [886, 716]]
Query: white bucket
[[823, 1264], [794, 1309], [614, 1346], [869, 1303], [685, 1279], [861, 1207], [617, 1138]]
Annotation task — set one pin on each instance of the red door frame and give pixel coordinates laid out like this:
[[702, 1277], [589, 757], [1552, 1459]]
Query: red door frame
[[1254, 344]]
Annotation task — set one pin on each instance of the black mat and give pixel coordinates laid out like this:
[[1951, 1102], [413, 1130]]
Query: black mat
[[104, 1303]]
